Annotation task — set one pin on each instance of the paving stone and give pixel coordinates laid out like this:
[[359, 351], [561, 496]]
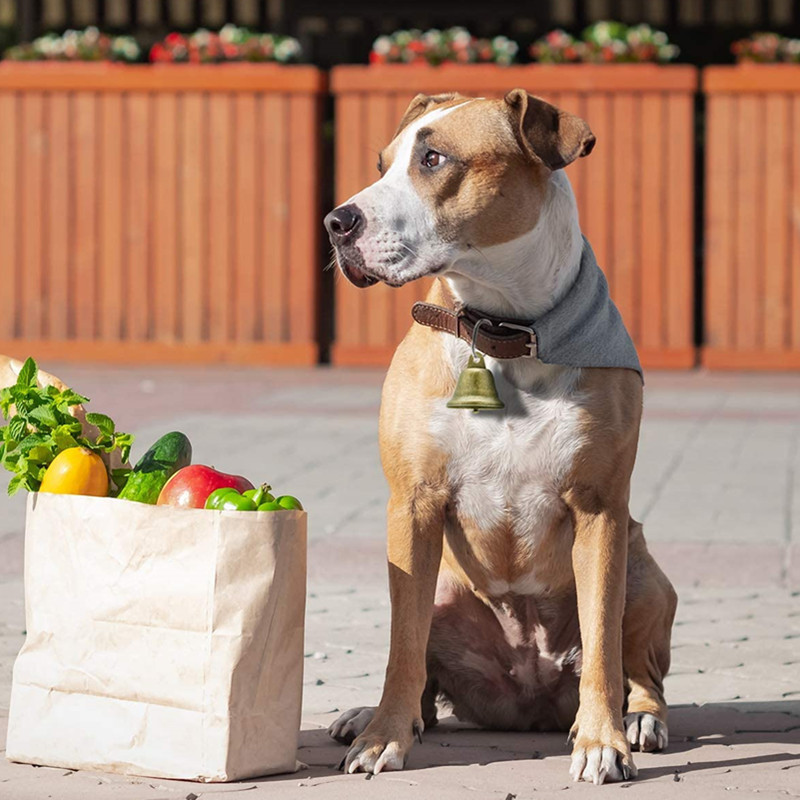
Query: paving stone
[[717, 483]]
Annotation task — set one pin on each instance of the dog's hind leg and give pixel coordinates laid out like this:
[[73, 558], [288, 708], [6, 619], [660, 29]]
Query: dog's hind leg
[[647, 625]]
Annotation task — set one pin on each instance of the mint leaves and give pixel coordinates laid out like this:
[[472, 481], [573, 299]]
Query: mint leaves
[[40, 427]]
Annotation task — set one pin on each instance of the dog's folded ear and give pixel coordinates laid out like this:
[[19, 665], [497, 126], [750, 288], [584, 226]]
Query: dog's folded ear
[[553, 137], [422, 103]]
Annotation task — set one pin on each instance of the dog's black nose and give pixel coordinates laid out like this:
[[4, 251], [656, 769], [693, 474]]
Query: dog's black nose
[[343, 223]]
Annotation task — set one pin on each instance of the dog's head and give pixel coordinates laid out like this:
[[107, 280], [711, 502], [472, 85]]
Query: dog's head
[[459, 174]]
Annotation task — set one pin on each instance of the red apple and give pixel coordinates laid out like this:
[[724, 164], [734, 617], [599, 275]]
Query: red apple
[[190, 487]]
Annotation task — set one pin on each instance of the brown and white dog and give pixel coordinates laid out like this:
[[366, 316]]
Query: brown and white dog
[[522, 591]]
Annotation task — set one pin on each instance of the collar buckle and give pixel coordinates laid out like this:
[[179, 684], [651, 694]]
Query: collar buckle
[[531, 345]]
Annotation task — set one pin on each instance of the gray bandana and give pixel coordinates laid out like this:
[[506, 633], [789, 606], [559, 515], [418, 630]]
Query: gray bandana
[[585, 328]]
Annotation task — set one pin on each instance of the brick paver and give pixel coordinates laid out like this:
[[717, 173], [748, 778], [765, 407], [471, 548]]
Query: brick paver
[[717, 485]]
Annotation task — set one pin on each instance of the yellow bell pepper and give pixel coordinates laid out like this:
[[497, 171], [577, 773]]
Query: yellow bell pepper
[[76, 470]]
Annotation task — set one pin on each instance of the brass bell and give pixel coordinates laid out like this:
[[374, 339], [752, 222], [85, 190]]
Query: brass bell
[[475, 388]]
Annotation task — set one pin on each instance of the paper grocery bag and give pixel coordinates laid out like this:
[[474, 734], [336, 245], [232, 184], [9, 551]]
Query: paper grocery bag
[[160, 641]]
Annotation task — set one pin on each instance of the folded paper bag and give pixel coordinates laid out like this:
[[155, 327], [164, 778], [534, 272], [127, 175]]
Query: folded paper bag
[[160, 642]]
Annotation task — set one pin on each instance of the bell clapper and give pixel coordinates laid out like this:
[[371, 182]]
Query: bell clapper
[[476, 389]]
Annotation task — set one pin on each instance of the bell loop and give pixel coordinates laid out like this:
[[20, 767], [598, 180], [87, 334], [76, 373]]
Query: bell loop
[[475, 335]]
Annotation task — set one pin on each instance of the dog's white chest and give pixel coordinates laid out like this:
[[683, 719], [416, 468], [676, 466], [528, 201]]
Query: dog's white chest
[[507, 469]]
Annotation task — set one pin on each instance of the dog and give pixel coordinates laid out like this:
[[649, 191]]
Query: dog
[[522, 592]]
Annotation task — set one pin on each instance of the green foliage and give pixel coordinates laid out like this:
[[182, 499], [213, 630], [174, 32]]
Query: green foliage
[[40, 426]]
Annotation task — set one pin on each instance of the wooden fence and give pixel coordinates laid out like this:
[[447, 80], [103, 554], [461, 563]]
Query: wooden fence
[[160, 213], [635, 192], [752, 262]]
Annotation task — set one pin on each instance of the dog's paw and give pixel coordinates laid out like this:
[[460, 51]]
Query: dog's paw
[[384, 745], [600, 763], [351, 724], [646, 732], [600, 756]]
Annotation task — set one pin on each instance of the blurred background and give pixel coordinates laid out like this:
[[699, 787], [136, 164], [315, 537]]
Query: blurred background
[[165, 166]]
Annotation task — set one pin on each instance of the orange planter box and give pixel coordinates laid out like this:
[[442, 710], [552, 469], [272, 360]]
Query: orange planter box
[[752, 278], [160, 213], [635, 191]]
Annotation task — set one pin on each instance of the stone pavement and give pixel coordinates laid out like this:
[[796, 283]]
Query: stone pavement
[[717, 484]]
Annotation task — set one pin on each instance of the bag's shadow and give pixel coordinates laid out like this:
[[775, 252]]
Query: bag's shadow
[[692, 728]]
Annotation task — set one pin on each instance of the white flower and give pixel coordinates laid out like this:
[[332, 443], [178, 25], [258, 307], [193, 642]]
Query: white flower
[[228, 33], [460, 36], [668, 51], [660, 38], [602, 33], [382, 45], [288, 49], [202, 36]]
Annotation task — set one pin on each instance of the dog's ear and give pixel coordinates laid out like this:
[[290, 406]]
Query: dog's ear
[[546, 134], [420, 104]]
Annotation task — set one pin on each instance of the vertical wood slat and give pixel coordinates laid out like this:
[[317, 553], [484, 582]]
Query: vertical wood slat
[[136, 260], [114, 219], [748, 233], [652, 231], [31, 233], [304, 217], [794, 227], [58, 219], [625, 201], [84, 200], [192, 230], [678, 292], [166, 258], [244, 196], [774, 299], [275, 252], [9, 214], [753, 217], [113, 296], [220, 221], [624, 192], [720, 220]]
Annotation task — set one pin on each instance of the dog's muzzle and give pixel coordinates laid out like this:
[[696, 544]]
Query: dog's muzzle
[[344, 225]]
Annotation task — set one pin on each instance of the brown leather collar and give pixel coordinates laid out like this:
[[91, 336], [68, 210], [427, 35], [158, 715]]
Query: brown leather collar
[[498, 338]]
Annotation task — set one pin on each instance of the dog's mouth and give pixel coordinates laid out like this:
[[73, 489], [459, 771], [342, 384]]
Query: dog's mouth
[[352, 264], [356, 275]]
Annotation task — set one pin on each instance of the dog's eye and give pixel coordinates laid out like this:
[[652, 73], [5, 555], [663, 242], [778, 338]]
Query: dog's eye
[[380, 164], [433, 159]]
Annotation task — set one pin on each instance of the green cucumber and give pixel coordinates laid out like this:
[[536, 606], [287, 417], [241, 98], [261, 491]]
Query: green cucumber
[[171, 452]]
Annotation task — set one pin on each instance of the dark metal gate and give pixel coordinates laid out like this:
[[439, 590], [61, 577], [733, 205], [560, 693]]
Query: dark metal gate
[[334, 32]]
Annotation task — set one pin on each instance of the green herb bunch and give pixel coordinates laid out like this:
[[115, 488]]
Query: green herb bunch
[[40, 427]]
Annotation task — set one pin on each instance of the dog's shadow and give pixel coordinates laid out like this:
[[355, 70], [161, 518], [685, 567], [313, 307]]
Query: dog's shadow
[[696, 735]]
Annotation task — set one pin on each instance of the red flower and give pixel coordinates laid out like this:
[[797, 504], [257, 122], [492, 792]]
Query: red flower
[[376, 58], [158, 53]]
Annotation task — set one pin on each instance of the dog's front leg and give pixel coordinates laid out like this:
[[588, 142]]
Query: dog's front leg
[[599, 555], [415, 531]]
